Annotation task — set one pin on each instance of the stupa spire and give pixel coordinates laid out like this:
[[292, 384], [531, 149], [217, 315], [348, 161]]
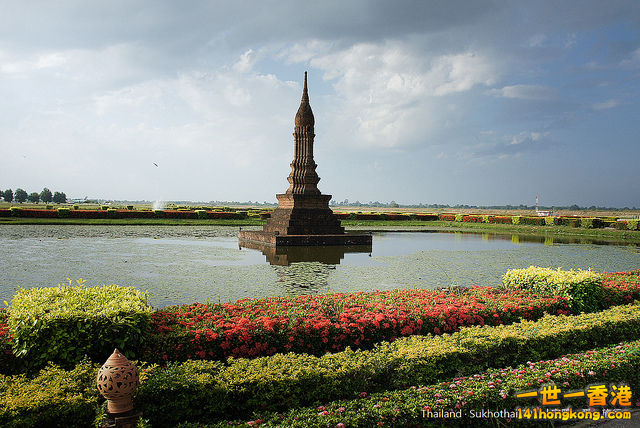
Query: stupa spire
[[304, 117]]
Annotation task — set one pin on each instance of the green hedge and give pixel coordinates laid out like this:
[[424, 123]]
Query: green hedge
[[591, 223], [63, 212], [568, 221], [201, 214], [292, 380], [53, 398], [633, 224], [61, 324], [583, 289], [493, 389]]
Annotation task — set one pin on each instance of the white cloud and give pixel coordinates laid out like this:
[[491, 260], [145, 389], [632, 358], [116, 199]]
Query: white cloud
[[390, 95], [524, 92], [605, 105]]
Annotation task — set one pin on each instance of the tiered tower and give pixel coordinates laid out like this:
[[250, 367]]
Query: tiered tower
[[303, 216]]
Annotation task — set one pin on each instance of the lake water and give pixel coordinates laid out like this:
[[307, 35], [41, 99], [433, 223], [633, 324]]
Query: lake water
[[188, 264]]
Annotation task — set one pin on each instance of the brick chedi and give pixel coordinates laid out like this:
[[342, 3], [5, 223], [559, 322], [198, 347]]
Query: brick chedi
[[303, 214], [302, 209]]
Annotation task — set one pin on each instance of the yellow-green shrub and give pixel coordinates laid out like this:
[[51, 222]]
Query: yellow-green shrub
[[459, 217], [201, 214], [63, 212], [631, 224], [582, 288], [62, 324], [55, 397], [516, 219]]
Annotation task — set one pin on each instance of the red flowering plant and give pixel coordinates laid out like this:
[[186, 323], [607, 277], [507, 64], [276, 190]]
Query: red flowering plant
[[7, 359], [621, 287], [500, 219], [447, 217], [332, 322]]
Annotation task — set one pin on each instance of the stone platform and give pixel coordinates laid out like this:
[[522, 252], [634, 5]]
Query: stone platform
[[271, 238]]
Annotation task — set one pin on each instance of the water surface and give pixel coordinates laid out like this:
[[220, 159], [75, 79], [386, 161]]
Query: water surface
[[184, 264]]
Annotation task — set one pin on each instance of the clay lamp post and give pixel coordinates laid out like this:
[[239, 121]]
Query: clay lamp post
[[117, 381]]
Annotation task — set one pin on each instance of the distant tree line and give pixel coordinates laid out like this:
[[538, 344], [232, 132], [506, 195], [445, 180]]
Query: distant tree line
[[45, 196]]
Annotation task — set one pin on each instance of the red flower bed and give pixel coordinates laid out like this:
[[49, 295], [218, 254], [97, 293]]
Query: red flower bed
[[621, 287], [330, 323], [500, 219], [472, 219], [447, 217]]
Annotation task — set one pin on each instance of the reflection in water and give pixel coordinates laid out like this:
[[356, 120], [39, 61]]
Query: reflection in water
[[284, 256], [304, 270], [519, 239], [304, 277]]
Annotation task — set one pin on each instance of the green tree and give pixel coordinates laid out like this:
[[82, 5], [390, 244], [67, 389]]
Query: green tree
[[59, 198], [8, 195], [45, 195], [34, 197], [20, 195]]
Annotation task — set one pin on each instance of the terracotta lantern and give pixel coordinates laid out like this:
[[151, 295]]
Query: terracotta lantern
[[117, 381]]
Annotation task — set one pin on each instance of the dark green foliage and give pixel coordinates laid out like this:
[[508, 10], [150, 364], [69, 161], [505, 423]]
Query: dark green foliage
[[46, 196], [59, 197], [193, 390], [20, 195], [8, 195]]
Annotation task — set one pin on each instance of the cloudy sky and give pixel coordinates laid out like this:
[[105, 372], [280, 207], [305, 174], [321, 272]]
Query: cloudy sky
[[473, 102]]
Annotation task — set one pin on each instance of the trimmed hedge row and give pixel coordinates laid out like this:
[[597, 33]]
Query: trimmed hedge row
[[55, 397], [290, 380], [64, 323], [120, 214], [201, 213], [493, 389]]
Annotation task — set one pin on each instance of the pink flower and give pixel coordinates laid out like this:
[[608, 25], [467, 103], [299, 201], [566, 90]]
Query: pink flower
[[363, 394]]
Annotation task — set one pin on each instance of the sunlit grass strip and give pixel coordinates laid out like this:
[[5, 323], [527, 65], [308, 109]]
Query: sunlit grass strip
[[293, 380], [493, 389]]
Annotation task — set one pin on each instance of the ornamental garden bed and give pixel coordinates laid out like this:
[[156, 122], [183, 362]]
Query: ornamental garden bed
[[277, 389]]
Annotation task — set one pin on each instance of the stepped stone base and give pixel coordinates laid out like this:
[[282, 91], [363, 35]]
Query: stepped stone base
[[303, 215]]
